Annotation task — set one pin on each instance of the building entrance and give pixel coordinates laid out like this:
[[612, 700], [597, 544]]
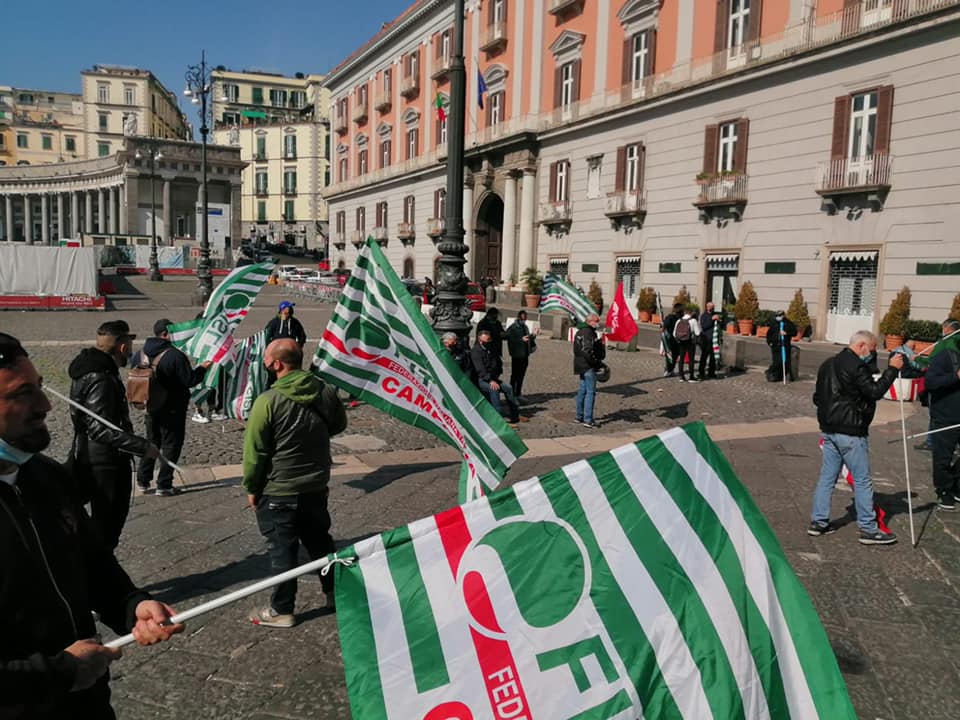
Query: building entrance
[[488, 235]]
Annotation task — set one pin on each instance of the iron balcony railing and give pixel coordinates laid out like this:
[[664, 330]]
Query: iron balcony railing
[[853, 173], [721, 189]]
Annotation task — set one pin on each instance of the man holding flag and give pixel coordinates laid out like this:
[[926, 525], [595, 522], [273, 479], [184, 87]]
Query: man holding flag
[[588, 354]]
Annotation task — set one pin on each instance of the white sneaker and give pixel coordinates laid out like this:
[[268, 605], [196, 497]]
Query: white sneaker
[[217, 416], [198, 418]]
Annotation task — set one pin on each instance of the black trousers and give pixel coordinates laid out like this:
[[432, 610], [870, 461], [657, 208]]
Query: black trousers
[[685, 349], [167, 432], [775, 371], [946, 474], [286, 521], [110, 500], [707, 357], [518, 370]]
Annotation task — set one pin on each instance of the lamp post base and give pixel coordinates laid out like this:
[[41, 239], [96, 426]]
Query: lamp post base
[[156, 276]]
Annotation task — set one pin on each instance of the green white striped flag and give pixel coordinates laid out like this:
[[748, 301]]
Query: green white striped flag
[[561, 295], [641, 583], [380, 348], [246, 376]]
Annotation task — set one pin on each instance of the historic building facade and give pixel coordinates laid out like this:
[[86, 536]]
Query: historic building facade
[[663, 143], [281, 126]]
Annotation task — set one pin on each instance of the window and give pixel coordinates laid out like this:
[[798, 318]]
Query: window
[[231, 92], [102, 122], [290, 181], [863, 126], [725, 147], [103, 92], [499, 11], [129, 95], [382, 214], [261, 182], [440, 203], [290, 146], [737, 25], [278, 98], [559, 181], [497, 101], [387, 82], [22, 140], [261, 148], [342, 170], [628, 272], [257, 95], [443, 48], [630, 159], [409, 208], [288, 213], [413, 65], [341, 223], [566, 86], [298, 98], [103, 149], [560, 266], [442, 131], [728, 144], [361, 219], [412, 143], [71, 143], [859, 152], [25, 99], [231, 118], [639, 55], [46, 142], [385, 154], [261, 211], [594, 170], [362, 94], [362, 161]]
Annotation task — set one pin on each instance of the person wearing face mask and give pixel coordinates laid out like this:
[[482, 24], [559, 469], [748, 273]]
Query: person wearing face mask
[[55, 571], [285, 325], [100, 456], [488, 366], [588, 354], [846, 398], [780, 333]]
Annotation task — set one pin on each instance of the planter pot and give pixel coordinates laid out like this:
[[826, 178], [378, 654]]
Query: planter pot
[[532, 301], [892, 342], [731, 328], [801, 332], [644, 316], [763, 330], [656, 319], [746, 327]]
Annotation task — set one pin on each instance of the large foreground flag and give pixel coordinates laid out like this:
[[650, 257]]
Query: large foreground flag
[[246, 377], [561, 295], [641, 583], [621, 327], [379, 347]]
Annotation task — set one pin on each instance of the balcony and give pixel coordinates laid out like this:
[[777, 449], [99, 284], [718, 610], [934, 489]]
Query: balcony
[[435, 227], [382, 102], [406, 233], [410, 86], [442, 68], [291, 191], [562, 7], [358, 237], [626, 209], [340, 124], [360, 112], [340, 241], [854, 181], [381, 235], [721, 195], [556, 216], [494, 37], [289, 154]]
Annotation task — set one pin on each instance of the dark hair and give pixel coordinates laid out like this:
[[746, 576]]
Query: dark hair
[[677, 307], [10, 350]]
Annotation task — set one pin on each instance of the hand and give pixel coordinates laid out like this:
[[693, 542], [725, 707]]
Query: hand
[[152, 452], [783, 332], [206, 365], [896, 361], [494, 385], [92, 660], [526, 338], [253, 501], [153, 623]]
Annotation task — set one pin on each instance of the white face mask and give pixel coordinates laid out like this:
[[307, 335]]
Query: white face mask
[[9, 453]]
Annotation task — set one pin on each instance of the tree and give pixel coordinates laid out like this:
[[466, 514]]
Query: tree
[[595, 294], [748, 305], [798, 313], [895, 320]]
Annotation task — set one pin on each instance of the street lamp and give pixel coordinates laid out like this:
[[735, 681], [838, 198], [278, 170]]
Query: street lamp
[[199, 85], [153, 148], [451, 313]]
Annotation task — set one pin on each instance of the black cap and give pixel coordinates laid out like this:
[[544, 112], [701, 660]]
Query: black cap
[[10, 350], [115, 329], [160, 326]]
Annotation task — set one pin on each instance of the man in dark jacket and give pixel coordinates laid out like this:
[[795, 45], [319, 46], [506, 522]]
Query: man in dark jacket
[[101, 457], [846, 399], [55, 571], [672, 351], [943, 383], [286, 471], [780, 332], [708, 321], [488, 365], [285, 325], [166, 428], [491, 323], [588, 354], [521, 344], [462, 358]]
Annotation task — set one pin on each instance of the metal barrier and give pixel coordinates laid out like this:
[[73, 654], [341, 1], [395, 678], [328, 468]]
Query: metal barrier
[[313, 291]]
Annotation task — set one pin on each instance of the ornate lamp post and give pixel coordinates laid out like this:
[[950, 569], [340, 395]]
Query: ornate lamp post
[[199, 85], [451, 313], [153, 148]]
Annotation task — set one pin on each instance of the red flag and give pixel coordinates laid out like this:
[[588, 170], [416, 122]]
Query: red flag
[[620, 323]]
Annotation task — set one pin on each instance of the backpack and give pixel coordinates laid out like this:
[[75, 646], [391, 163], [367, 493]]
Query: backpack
[[682, 330], [144, 390]]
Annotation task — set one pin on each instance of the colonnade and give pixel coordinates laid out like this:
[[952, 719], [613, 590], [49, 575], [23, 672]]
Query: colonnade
[[47, 217]]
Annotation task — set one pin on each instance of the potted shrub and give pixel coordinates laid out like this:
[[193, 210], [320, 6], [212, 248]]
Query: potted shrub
[[894, 323], [746, 308], [682, 297], [798, 314], [646, 304], [729, 319], [533, 281], [923, 333], [763, 321], [595, 295]]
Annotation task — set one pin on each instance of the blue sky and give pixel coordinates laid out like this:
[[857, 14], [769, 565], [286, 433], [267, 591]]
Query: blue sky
[[46, 43]]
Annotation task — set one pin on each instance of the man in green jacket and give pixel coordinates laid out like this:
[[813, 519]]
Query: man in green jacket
[[286, 470]]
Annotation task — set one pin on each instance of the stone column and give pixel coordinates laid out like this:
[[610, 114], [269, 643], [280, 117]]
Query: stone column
[[45, 219], [236, 225], [167, 231], [124, 204], [113, 211], [88, 212], [61, 225], [8, 215], [27, 221], [508, 264], [75, 215], [528, 206], [468, 224], [101, 211]]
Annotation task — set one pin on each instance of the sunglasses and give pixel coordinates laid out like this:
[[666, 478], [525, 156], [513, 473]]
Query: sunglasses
[[10, 350]]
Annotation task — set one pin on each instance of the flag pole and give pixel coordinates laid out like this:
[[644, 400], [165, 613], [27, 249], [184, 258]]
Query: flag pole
[[906, 458], [926, 432], [783, 353], [106, 422], [229, 598]]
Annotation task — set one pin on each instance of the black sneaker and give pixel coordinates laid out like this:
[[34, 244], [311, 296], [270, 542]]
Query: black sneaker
[[168, 492], [877, 537], [817, 529], [947, 501], [591, 425]]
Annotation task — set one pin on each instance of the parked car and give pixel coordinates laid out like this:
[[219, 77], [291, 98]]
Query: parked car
[[288, 272], [294, 251], [476, 298]]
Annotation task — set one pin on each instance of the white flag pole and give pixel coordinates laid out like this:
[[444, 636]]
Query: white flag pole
[[220, 602], [906, 457], [106, 422], [928, 432]]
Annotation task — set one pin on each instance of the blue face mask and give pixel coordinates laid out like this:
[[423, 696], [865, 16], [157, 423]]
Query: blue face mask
[[10, 454], [869, 357]]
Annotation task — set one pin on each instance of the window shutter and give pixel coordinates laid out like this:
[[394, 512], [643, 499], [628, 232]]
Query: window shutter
[[627, 64], [553, 182], [710, 140], [488, 111], [566, 185], [642, 168], [557, 84], [436, 203], [437, 45], [884, 119], [651, 52], [753, 23], [413, 207], [576, 80], [841, 127], [620, 181], [720, 31], [490, 8], [740, 151]]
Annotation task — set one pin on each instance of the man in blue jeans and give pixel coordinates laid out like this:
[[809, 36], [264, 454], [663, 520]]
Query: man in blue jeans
[[846, 399], [488, 365], [588, 354]]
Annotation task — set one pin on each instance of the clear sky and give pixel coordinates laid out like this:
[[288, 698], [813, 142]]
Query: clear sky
[[47, 43]]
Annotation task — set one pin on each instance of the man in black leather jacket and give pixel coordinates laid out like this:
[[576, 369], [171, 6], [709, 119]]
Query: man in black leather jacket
[[588, 354], [101, 457], [846, 398], [488, 366], [54, 571]]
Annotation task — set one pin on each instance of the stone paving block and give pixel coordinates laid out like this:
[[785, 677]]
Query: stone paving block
[[314, 692], [915, 690]]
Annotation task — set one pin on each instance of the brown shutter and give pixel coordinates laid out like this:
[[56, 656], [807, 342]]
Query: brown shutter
[[642, 169], [710, 148], [720, 31], [413, 208], [651, 52], [620, 181], [625, 78], [488, 111], [576, 80], [841, 127], [436, 203], [753, 24], [881, 144], [489, 12], [553, 182], [557, 82], [740, 150]]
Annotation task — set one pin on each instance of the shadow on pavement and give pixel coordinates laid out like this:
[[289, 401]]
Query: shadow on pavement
[[177, 589], [383, 476]]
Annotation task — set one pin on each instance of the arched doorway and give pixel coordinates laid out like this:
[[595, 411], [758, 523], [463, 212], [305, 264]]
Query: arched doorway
[[488, 238]]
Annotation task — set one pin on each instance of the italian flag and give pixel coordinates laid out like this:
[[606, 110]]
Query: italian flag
[[441, 109], [641, 583]]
